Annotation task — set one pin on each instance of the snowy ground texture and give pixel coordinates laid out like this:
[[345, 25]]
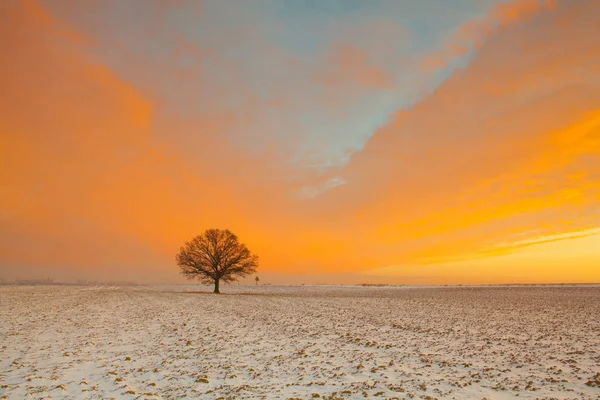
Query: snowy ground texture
[[299, 342]]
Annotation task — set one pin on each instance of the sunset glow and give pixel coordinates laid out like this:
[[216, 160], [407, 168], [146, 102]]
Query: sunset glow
[[343, 141]]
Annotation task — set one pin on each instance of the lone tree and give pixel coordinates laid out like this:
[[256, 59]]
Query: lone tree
[[214, 256]]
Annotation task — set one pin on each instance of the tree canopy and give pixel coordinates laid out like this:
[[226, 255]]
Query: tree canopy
[[216, 255]]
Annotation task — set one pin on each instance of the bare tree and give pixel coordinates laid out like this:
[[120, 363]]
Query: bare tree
[[214, 256]]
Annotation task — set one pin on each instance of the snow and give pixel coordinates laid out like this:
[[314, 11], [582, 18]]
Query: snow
[[180, 341]]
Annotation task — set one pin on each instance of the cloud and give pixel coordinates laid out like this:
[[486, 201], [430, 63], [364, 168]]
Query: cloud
[[99, 174], [470, 36], [504, 145], [83, 181], [115, 149]]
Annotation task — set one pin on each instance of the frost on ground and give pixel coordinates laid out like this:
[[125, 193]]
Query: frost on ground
[[299, 342]]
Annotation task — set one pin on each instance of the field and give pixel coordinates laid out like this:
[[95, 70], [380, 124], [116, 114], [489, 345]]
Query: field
[[299, 342]]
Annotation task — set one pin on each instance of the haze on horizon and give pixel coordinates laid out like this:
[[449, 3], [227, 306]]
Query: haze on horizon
[[348, 141]]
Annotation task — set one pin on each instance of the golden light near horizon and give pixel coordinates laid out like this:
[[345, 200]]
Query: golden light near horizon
[[567, 258], [343, 142]]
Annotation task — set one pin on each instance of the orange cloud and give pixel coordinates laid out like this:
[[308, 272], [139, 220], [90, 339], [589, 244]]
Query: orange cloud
[[473, 34], [83, 182], [99, 176], [485, 155], [98, 180]]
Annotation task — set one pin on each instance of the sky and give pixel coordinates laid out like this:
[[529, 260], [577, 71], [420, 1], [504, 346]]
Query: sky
[[344, 141]]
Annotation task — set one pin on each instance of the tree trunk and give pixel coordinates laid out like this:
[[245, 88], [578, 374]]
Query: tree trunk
[[217, 286]]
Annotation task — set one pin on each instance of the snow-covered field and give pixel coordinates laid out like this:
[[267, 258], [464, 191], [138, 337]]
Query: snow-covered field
[[299, 342]]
